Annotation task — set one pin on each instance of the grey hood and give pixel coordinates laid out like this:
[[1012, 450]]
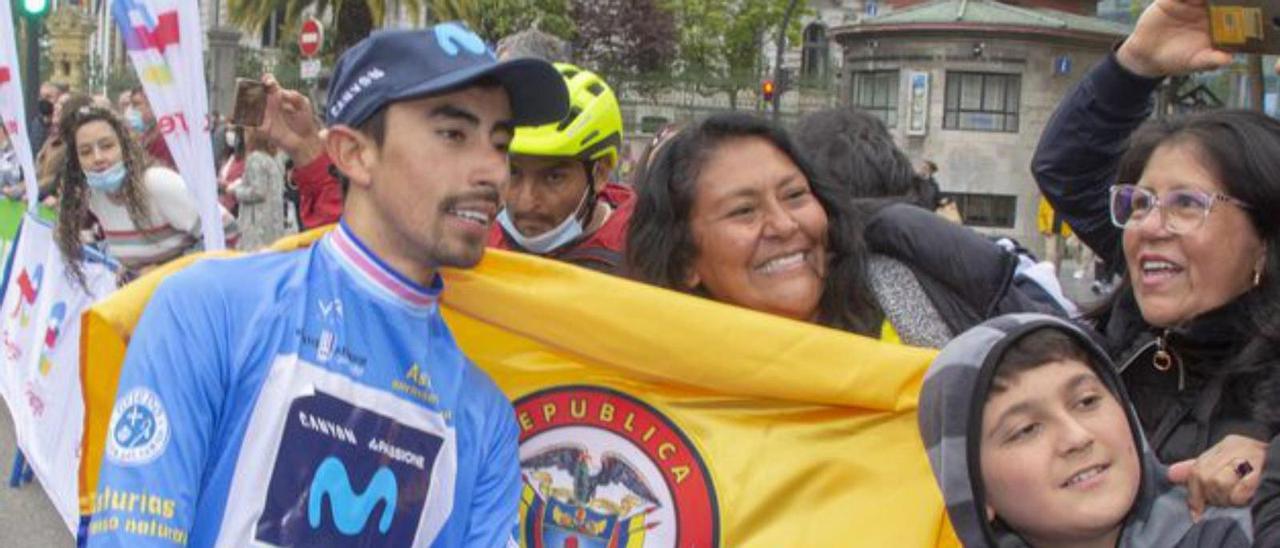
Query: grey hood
[[950, 416]]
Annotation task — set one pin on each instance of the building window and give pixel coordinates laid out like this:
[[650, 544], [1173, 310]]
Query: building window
[[876, 92], [986, 210], [981, 101], [813, 58]]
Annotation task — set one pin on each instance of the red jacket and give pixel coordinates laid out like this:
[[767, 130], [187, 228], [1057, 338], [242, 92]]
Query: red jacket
[[319, 193], [604, 250], [158, 149]]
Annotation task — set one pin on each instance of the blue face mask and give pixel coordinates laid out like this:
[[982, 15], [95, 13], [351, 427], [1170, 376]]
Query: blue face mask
[[134, 118], [107, 180], [548, 241]]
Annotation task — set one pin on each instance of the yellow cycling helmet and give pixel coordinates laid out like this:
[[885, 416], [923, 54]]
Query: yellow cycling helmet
[[591, 131]]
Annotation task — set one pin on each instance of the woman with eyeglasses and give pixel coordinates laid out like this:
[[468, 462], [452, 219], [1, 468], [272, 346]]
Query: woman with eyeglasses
[[1189, 204], [109, 194]]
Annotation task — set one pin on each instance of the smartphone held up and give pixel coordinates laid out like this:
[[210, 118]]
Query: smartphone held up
[[1245, 26], [250, 103]]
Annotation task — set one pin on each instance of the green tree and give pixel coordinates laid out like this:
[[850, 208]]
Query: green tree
[[722, 42], [350, 20], [494, 19], [631, 40]]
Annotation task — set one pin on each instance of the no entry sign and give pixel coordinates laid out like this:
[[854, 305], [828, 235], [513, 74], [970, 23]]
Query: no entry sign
[[310, 37]]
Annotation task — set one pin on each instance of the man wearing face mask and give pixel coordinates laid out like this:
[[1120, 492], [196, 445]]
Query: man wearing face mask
[[559, 202], [142, 120]]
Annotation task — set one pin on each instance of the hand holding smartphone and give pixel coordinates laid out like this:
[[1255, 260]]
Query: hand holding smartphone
[[1245, 26], [250, 104]]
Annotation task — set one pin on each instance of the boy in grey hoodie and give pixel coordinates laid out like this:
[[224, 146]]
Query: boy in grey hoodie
[[1034, 444]]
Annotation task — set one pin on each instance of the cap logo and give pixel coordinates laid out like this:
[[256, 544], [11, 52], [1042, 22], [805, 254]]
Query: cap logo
[[452, 36], [362, 83]]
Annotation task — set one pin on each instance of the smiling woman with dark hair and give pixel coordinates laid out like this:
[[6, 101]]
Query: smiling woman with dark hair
[[1189, 205], [728, 209]]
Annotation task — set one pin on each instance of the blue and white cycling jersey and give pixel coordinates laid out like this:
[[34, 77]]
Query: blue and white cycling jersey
[[309, 398]]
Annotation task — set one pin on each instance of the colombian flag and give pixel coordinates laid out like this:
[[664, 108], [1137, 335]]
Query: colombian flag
[[652, 418]]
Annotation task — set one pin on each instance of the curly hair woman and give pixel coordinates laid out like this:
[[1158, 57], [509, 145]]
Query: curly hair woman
[[143, 214]]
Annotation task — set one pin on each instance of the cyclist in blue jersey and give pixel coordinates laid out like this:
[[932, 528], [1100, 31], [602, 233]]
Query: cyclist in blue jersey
[[316, 397]]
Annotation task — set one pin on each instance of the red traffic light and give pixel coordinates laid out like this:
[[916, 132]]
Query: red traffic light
[[767, 89]]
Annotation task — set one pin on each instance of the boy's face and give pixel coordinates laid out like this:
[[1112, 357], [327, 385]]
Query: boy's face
[[1058, 457]]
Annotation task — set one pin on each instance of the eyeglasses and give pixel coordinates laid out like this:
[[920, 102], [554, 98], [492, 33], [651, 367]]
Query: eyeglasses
[[1183, 210]]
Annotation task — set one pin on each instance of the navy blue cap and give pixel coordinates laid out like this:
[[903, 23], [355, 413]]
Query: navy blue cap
[[394, 65]]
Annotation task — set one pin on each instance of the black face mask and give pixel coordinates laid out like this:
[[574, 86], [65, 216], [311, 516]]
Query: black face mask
[[46, 107]]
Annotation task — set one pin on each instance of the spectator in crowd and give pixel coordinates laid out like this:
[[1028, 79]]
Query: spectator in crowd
[[851, 147], [42, 123], [218, 129], [1187, 205], [533, 43], [260, 193], [929, 170], [559, 202], [854, 148], [731, 211], [51, 157], [660, 139], [291, 125], [232, 168], [144, 214], [124, 103], [11, 186], [1060, 456], [151, 136], [102, 101]]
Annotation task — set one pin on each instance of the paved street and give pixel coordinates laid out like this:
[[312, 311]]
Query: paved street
[[27, 519]]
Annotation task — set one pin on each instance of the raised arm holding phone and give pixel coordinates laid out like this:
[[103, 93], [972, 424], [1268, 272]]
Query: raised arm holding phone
[[1187, 329], [290, 123]]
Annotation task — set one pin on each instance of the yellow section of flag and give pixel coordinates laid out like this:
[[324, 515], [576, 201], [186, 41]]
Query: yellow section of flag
[[737, 428]]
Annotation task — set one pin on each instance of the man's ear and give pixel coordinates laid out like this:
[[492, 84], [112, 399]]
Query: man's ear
[[353, 153], [600, 173]]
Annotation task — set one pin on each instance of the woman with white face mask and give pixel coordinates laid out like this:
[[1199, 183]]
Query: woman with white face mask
[[144, 214]]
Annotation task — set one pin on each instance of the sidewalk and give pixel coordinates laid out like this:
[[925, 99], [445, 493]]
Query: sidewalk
[[27, 518]]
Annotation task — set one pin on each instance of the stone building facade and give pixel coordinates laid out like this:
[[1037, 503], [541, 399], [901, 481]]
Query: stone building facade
[[970, 85]]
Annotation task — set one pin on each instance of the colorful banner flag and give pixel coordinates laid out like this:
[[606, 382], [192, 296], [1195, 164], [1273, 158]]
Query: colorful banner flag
[[39, 363], [652, 418], [166, 45], [13, 111]]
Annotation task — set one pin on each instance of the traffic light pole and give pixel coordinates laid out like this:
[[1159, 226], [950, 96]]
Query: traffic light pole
[[777, 60], [31, 76]]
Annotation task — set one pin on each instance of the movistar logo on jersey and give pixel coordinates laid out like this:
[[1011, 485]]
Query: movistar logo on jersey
[[347, 475], [350, 510]]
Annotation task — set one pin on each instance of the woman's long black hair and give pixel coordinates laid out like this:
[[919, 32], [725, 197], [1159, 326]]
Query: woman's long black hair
[[660, 245]]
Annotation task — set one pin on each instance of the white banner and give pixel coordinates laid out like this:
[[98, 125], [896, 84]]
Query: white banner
[[13, 111], [166, 45], [40, 359]]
